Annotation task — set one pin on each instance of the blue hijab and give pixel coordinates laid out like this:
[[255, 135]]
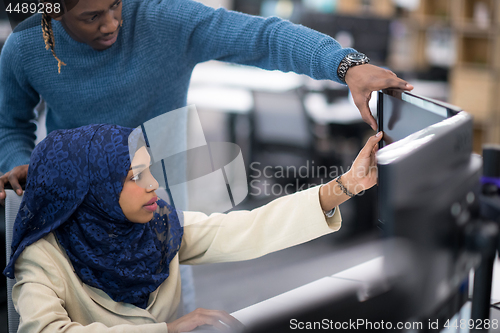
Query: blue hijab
[[73, 187]]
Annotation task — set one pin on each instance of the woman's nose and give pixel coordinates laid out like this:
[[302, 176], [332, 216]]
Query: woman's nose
[[153, 184]]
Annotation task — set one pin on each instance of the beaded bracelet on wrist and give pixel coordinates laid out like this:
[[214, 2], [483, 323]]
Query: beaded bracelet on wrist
[[343, 188]]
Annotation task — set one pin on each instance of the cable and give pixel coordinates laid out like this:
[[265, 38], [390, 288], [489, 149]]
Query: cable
[[495, 306]]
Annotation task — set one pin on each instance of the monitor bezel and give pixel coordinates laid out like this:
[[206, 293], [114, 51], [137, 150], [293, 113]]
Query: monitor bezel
[[411, 98]]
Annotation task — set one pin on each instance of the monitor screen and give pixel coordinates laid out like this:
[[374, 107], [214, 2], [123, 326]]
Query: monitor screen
[[402, 113]]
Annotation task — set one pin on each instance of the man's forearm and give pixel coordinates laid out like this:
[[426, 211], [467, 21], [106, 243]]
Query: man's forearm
[[15, 148], [269, 43]]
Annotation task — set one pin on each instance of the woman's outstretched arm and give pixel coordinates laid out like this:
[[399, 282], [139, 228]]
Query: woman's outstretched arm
[[361, 177], [284, 222]]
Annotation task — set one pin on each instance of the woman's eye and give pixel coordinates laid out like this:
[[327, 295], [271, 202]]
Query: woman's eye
[[92, 19], [136, 177]]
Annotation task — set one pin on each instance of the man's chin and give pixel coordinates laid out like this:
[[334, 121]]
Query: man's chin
[[100, 47]]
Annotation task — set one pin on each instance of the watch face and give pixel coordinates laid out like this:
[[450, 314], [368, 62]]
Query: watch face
[[356, 57]]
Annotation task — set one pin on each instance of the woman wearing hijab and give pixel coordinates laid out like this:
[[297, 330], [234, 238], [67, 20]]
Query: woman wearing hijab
[[95, 250]]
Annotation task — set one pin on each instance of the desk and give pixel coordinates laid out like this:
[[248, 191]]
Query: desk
[[246, 77], [355, 278], [343, 111], [230, 89], [224, 99], [231, 101], [495, 284], [321, 112]]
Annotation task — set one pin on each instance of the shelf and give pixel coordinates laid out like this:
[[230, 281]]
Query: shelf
[[474, 90], [436, 8], [496, 53], [380, 8], [494, 132], [472, 28], [478, 138], [479, 13], [433, 11], [476, 50], [475, 78]]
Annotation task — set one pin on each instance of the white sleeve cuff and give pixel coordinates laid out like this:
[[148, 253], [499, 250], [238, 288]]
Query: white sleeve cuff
[[330, 213]]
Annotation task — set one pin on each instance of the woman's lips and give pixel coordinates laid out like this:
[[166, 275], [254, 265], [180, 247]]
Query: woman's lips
[[152, 200], [151, 205]]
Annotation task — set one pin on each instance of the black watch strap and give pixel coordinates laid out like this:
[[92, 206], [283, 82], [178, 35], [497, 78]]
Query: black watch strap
[[351, 60]]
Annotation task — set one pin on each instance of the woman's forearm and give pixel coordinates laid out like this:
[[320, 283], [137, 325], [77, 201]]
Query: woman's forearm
[[332, 193], [361, 176]]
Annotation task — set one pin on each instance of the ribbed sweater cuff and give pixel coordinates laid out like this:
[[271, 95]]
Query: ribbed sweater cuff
[[327, 60], [13, 157], [306, 51]]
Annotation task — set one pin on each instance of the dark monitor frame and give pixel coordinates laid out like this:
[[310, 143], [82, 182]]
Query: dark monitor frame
[[424, 103], [418, 185]]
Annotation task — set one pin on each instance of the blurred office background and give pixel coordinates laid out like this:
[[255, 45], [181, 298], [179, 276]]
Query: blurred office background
[[295, 132]]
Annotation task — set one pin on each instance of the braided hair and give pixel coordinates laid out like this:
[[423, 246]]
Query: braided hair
[[48, 37]]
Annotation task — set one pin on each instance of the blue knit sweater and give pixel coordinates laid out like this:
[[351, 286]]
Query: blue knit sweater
[[146, 72]]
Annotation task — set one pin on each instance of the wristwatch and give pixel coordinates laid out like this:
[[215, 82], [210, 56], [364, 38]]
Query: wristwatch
[[351, 60]]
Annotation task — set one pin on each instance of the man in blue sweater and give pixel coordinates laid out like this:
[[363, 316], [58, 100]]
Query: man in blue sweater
[[127, 61]]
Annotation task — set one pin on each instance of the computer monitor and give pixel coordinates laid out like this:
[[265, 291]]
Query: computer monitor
[[428, 181], [402, 113], [370, 35]]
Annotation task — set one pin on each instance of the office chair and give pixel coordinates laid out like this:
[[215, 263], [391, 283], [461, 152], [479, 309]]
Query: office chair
[[281, 134], [12, 202]]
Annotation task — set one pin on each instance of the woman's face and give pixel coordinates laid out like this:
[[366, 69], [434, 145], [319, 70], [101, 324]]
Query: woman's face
[[138, 197], [94, 22]]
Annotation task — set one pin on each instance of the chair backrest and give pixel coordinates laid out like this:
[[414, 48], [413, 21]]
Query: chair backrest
[[12, 202], [281, 119]]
